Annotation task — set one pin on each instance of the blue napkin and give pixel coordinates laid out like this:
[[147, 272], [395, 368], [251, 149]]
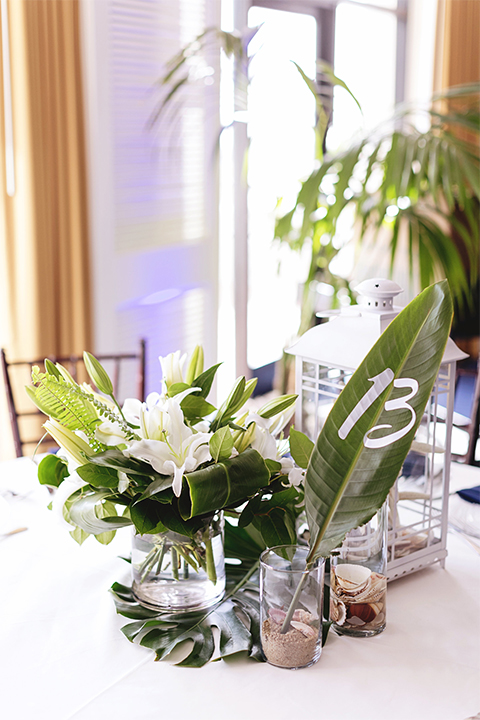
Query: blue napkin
[[470, 494]]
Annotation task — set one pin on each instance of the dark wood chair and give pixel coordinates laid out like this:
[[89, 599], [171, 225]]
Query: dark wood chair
[[467, 402], [125, 369]]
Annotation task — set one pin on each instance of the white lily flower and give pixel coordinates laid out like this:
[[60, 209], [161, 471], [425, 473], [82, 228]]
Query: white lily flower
[[110, 433], [172, 368], [152, 414], [180, 450], [148, 418]]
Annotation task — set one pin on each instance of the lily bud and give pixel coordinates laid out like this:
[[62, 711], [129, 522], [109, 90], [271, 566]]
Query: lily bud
[[65, 374], [98, 374], [73, 445], [195, 366], [50, 368], [244, 439]]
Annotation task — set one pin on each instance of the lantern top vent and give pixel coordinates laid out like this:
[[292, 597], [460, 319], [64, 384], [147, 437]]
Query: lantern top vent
[[346, 339], [376, 295]]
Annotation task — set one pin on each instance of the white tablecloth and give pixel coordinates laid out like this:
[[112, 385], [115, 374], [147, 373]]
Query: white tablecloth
[[62, 654]]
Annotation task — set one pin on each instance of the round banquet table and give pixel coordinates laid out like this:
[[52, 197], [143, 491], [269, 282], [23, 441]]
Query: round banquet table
[[62, 654]]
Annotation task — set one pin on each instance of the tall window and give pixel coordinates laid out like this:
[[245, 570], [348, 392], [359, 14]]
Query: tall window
[[365, 41]]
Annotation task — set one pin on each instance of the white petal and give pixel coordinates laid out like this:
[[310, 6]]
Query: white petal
[[154, 452], [109, 433], [131, 410], [62, 493], [296, 476], [265, 444], [286, 463], [260, 421], [154, 399], [177, 479], [174, 423], [123, 481], [278, 422], [179, 397]]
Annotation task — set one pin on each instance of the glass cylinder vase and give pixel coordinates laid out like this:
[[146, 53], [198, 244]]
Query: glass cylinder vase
[[358, 583], [175, 573], [291, 600]]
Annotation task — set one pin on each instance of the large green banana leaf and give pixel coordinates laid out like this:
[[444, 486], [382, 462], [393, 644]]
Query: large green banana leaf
[[364, 441]]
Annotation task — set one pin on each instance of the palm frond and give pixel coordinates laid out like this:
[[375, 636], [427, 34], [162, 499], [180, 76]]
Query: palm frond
[[423, 178]]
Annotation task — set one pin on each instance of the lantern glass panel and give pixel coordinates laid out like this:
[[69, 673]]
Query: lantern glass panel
[[309, 369], [309, 406], [321, 385], [417, 518]]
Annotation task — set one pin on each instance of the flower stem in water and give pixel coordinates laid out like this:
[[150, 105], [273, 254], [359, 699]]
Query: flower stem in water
[[160, 559], [148, 563], [211, 570], [188, 559], [174, 556]]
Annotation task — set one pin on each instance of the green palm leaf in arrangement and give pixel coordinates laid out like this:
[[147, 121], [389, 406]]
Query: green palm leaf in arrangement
[[367, 435]]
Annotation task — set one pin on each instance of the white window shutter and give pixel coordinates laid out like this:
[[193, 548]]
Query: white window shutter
[[155, 258]]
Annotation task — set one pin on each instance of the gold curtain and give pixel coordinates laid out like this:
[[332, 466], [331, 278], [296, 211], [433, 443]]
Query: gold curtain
[[461, 42], [457, 62], [45, 301]]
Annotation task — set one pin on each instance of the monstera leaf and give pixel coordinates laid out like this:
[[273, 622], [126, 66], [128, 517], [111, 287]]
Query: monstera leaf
[[163, 633], [369, 430]]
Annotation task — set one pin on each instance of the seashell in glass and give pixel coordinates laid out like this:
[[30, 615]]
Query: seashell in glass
[[358, 584]]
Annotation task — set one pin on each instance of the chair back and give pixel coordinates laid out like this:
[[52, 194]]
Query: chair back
[[466, 414], [125, 369]]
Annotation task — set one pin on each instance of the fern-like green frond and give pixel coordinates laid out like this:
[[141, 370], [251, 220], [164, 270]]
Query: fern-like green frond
[[62, 402], [106, 411], [75, 408]]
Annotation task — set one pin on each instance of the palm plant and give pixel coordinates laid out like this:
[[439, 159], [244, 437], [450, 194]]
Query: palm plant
[[401, 183], [400, 179]]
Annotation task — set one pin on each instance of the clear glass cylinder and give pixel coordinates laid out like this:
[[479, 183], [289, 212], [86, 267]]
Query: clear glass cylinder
[[175, 573], [291, 601], [358, 582]]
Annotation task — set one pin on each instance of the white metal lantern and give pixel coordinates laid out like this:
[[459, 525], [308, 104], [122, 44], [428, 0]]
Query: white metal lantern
[[325, 358]]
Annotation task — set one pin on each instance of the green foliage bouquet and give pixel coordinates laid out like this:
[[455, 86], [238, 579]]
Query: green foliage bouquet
[[169, 463]]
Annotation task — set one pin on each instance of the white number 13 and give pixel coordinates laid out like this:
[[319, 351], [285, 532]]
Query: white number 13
[[380, 383]]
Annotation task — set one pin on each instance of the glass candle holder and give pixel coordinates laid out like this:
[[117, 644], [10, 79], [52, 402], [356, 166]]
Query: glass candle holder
[[358, 583], [291, 599]]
